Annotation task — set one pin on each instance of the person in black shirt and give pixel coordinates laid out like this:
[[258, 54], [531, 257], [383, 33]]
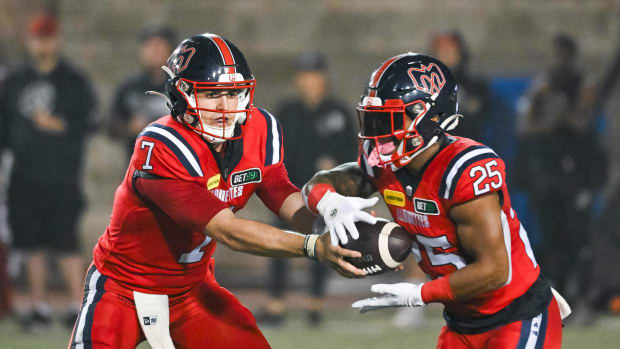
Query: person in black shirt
[[474, 95], [46, 110], [319, 133], [132, 109], [6, 285], [561, 167]]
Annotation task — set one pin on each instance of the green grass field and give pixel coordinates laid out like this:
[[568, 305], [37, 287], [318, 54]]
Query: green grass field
[[343, 328]]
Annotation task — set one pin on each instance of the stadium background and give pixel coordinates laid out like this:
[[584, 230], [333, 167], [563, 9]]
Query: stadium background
[[509, 43]]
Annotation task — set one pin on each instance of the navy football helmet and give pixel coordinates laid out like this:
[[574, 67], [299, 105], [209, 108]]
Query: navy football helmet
[[410, 85], [208, 62]]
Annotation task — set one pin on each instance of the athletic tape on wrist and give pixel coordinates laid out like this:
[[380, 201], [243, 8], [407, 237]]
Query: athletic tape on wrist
[[310, 245]]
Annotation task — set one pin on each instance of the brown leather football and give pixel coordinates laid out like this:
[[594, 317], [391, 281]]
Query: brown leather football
[[384, 246]]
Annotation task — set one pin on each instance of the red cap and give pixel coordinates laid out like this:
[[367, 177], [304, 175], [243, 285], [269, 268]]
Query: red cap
[[43, 25]]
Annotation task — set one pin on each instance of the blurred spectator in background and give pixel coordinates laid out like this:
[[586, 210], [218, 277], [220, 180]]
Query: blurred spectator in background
[[561, 166], [473, 92], [46, 111], [600, 286], [6, 286], [132, 109], [319, 134]]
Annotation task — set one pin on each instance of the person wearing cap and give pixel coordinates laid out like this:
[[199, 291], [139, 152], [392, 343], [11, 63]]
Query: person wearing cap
[[46, 111], [132, 109], [313, 117]]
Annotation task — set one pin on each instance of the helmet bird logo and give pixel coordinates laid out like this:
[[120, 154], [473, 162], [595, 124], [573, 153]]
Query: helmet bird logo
[[428, 78], [181, 62]]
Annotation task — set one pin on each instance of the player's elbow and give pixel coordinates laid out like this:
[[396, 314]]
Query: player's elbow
[[229, 237], [497, 275], [222, 228], [500, 278], [234, 243]]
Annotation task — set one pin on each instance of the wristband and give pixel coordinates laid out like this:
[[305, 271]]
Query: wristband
[[310, 245], [316, 194], [438, 290]]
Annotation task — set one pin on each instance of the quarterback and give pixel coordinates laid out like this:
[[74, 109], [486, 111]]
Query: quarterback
[[450, 194], [152, 273]]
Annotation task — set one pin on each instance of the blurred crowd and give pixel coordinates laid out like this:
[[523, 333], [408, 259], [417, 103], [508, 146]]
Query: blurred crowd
[[48, 111]]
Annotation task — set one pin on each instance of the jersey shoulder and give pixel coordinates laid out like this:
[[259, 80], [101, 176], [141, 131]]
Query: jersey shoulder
[[468, 169], [165, 148], [264, 132]]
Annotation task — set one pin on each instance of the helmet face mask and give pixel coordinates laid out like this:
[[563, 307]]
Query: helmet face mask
[[394, 123], [203, 69], [198, 114], [409, 102]]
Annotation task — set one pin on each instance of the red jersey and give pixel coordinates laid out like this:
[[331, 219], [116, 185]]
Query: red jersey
[[461, 171], [150, 244]]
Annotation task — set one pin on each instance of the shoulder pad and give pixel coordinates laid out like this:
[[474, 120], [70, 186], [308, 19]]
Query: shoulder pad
[[466, 159], [174, 142], [273, 139]]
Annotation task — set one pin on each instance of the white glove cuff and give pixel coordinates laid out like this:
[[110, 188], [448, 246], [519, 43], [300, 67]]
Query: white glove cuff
[[415, 298], [321, 206]]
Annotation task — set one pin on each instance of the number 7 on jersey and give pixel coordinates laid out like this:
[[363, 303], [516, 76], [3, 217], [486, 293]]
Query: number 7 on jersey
[[147, 163]]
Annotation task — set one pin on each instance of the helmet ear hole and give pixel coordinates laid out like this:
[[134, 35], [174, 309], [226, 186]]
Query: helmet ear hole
[[190, 119]]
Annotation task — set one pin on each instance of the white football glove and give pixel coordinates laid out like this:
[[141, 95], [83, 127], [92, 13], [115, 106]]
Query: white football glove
[[341, 212], [394, 295]]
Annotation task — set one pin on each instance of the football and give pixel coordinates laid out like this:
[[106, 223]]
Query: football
[[384, 246]]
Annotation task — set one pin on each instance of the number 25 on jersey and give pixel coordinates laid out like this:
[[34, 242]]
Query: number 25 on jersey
[[488, 171]]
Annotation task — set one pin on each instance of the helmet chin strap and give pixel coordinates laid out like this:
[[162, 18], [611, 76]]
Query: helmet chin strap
[[447, 125], [228, 130]]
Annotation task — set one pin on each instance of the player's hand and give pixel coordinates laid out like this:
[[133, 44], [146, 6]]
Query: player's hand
[[341, 212], [333, 256], [393, 295]]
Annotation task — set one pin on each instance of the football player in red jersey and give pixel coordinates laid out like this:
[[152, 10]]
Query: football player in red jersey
[[152, 272], [450, 194]]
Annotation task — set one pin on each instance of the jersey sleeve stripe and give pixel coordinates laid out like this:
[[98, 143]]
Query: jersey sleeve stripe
[[459, 164], [175, 142], [507, 244], [281, 142], [273, 146]]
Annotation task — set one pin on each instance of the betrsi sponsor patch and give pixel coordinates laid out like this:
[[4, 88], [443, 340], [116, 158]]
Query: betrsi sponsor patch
[[424, 206], [252, 175]]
